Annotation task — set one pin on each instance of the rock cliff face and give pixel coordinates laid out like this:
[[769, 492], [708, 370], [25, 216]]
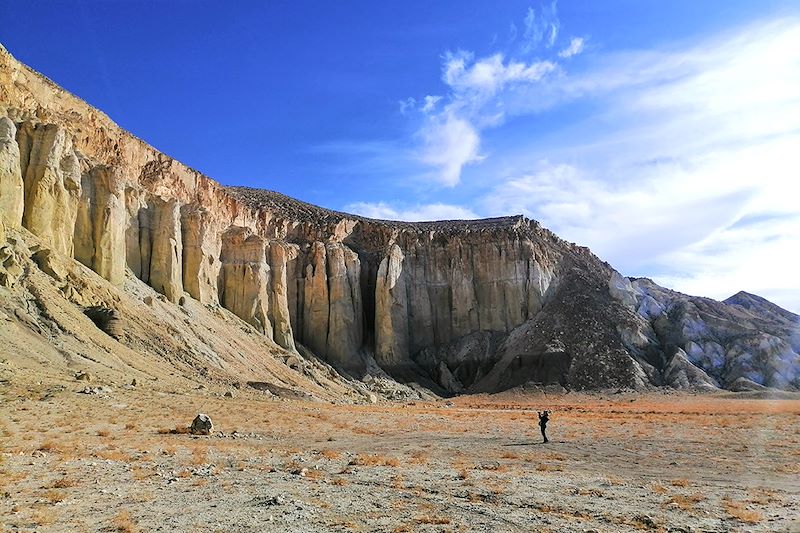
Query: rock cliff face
[[460, 305]]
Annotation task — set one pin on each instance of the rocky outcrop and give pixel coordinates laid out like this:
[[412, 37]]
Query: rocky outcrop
[[391, 311], [52, 184], [345, 320], [245, 278], [461, 306], [702, 343], [279, 306], [166, 249], [12, 199], [201, 251]]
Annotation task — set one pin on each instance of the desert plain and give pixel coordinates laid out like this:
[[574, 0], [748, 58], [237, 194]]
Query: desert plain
[[122, 461]]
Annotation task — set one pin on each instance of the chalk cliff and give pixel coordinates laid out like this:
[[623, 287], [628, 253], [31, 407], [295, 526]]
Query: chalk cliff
[[460, 306]]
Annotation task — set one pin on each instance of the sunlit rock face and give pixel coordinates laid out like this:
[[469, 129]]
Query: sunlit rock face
[[457, 306], [743, 338]]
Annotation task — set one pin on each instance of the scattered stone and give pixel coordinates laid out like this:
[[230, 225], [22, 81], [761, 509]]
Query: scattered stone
[[201, 425], [646, 521], [294, 363], [182, 301], [229, 394], [237, 385], [134, 383], [84, 376], [106, 319], [10, 266], [269, 500], [148, 300], [48, 263], [95, 390]]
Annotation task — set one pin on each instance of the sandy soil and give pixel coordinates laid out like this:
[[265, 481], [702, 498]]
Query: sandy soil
[[76, 462]]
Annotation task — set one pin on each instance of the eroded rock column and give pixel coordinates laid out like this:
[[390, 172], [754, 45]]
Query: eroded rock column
[[279, 305], [345, 321], [12, 199], [201, 248], [391, 311], [245, 278], [316, 302], [52, 185], [166, 271], [106, 213]]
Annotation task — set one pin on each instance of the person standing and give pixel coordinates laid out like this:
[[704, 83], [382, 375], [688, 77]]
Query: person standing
[[543, 418]]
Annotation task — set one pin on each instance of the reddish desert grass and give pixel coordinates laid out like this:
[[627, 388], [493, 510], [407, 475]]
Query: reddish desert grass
[[54, 496], [687, 503], [64, 483], [314, 474], [433, 520], [199, 455], [123, 523], [43, 516], [659, 489], [738, 511], [418, 458], [374, 460], [330, 454], [113, 455]]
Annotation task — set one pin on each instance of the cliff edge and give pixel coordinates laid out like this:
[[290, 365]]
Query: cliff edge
[[452, 306]]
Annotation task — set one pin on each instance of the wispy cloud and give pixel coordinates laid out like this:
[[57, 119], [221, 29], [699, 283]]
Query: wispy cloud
[[688, 142], [540, 27], [435, 211], [575, 47], [681, 166], [429, 103], [450, 134], [450, 142], [483, 78], [407, 105]]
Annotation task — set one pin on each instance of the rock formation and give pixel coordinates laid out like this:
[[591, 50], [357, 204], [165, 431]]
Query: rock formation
[[12, 199], [458, 305]]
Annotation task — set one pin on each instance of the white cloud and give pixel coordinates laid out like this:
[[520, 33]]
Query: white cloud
[[407, 105], [489, 75], [450, 137], [449, 143], [450, 133], [690, 147], [435, 211], [540, 28], [678, 151], [430, 103], [575, 47]]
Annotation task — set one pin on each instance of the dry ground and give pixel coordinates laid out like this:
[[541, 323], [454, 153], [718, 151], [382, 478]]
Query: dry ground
[[75, 462]]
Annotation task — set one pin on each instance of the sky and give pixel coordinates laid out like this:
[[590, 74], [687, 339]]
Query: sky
[[664, 135]]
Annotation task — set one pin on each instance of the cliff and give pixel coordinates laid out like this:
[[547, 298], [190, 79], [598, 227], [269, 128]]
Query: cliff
[[456, 305]]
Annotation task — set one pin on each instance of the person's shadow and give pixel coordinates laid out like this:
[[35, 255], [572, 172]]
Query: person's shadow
[[534, 443]]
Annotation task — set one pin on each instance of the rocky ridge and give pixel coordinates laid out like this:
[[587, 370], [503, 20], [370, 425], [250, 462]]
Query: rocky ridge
[[458, 306]]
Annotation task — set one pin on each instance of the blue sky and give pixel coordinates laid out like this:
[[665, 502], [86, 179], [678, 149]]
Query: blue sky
[[663, 135]]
